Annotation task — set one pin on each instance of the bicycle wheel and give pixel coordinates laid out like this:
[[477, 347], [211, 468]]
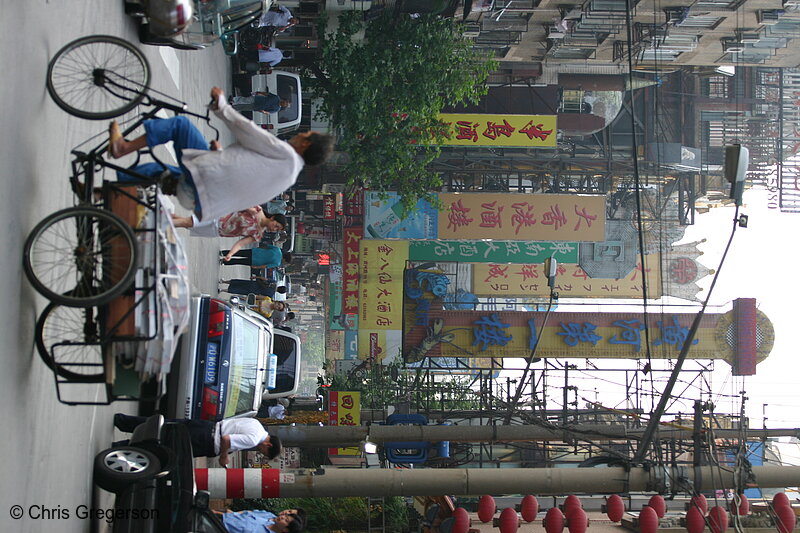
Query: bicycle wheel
[[98, 77], [67, 338], [80, 256]]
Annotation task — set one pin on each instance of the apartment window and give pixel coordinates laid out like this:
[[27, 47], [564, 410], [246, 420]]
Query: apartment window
[[716, 87], [716, 4]]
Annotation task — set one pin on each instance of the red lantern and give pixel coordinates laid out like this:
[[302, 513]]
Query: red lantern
[[460, 521], [570, 502], [695, 520], [553, 521], [577, 521], [615, 508], [786, 518], [780, 500], [699, 501], [743, 509], [509, 521], [486, 508], [648, 520], [717, 519], [529, 507], [658, 504]]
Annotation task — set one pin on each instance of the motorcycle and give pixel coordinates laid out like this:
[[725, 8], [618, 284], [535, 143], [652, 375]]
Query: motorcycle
[[195, 24]]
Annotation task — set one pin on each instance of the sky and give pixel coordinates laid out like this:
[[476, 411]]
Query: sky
[[761, 264]]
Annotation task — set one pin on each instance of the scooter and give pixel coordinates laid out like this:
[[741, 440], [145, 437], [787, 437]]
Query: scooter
[[194, 24]]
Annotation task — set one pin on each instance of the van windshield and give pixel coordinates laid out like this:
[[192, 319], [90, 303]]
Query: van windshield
[[243, 374]]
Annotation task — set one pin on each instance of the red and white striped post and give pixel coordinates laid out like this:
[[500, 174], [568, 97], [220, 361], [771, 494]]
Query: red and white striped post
[[224, 483]]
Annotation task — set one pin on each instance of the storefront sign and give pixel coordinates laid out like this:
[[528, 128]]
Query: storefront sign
[[344, 409], [492, 251], [534, 217], [529, 131], [381, 283]]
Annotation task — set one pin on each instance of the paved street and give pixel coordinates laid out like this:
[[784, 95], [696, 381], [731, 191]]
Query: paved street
[[48, 447]]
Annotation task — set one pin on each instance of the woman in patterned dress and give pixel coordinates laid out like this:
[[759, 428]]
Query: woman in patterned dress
[[250, 224]]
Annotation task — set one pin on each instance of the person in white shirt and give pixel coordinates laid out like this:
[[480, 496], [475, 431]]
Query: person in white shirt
[[215, 182], [212, 439]]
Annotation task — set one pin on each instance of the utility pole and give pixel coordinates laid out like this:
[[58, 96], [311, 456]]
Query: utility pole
[[380, 482], [346, 436]]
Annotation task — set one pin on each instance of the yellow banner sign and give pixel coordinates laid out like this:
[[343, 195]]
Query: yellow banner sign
[[381, 283], [528, 217], [571, 281], [529, 131], [344, 409]]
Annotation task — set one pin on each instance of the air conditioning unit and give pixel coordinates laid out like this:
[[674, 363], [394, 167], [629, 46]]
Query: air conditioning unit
[[768, 18], [472, 30], [732, 46], [555, 33], [748, 38]]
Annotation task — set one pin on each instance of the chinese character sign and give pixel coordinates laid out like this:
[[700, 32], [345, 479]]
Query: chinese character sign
[[334, 344], [381, 283], [522, 217], [493, 251], [350, 267], [528, 131], [529, 280], [344, 409], [620, 335]]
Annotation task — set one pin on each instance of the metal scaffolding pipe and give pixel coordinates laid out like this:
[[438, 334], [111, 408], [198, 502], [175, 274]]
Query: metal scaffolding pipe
[[378, 482], [345, 436]]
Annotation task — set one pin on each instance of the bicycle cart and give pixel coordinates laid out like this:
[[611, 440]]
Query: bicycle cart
[[112, 266]]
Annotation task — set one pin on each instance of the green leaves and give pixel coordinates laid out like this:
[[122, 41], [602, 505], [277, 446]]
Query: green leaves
[[383, 92]]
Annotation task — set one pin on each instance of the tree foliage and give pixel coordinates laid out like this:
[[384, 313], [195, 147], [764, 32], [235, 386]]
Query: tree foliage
[[382, 93]]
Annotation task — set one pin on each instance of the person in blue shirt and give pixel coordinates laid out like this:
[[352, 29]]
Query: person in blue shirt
[[262, 101], [268, 257], [262, 521]]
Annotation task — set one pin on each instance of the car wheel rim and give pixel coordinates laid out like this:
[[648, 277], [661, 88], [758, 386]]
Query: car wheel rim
[[127, 461]]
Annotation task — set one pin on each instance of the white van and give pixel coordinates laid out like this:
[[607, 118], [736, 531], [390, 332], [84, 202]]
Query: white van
[[287, 86]]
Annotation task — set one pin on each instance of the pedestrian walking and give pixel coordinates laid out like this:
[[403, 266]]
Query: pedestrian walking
[[250, 286], [250, 224], [264, 102], [269, 256]]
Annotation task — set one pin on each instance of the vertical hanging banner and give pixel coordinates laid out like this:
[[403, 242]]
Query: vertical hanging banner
[[383, 218], [533, 217], [344, 409], [381, 283], [529, 280], [528, 131], [350, 263]]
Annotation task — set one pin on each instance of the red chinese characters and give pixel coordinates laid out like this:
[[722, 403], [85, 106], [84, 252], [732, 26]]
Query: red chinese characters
[[496, 271], [583, 215], [490, 217], [493, 131], [523, 216], [457, 217], [555, 217], [467, 130], [535, 131]]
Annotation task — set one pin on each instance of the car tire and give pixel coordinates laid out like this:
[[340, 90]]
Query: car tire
[[117, 468]]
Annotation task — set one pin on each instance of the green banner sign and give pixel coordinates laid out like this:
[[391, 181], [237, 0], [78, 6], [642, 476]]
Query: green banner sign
[[518, 252]]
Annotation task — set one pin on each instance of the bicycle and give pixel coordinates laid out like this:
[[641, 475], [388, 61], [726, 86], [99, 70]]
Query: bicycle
[[103, 263]]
